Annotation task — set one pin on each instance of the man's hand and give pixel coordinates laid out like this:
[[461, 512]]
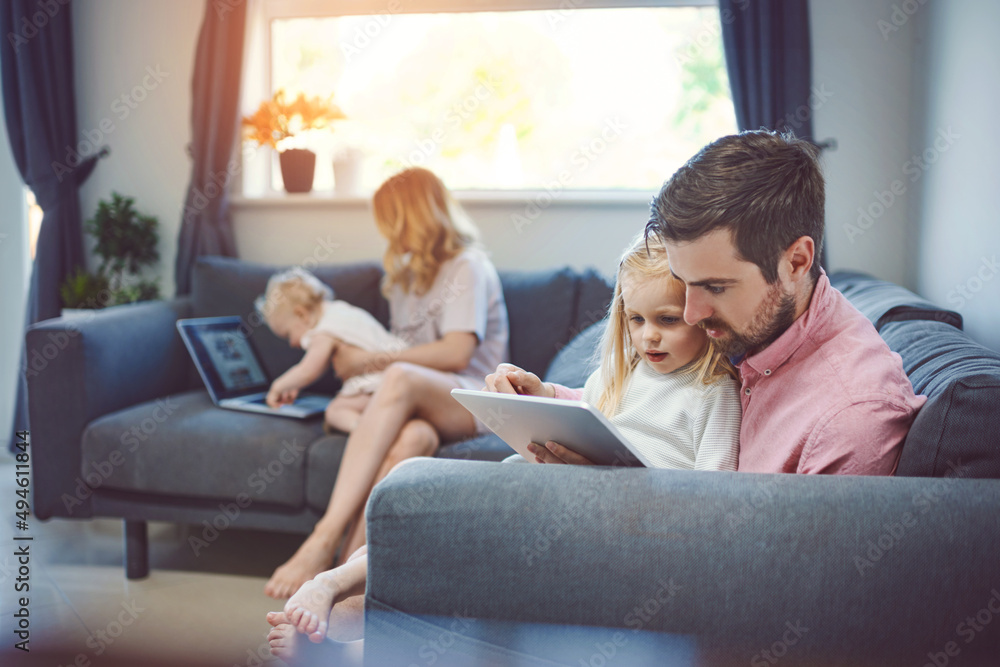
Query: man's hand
[[351, 360], [553, 452], [509, 379]]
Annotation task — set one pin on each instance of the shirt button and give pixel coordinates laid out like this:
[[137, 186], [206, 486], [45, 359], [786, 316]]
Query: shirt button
[[747, 391], [767, 372]]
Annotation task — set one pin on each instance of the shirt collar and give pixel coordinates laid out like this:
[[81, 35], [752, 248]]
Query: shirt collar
[[785, 345]]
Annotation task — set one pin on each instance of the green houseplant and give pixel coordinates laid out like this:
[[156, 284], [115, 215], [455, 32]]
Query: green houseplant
[[125, 243]]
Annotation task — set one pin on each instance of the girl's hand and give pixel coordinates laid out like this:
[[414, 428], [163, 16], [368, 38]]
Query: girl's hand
[[509, 379], [350, 360], [553, 452]]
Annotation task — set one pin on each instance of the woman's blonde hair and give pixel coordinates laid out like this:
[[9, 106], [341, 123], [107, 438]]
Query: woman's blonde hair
[[425, 227], [293, 287], [645, 261]]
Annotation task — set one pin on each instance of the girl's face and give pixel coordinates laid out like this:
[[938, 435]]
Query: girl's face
[[655, 315]]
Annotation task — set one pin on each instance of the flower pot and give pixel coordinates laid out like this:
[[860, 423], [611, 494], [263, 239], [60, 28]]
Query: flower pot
[[297, 168]]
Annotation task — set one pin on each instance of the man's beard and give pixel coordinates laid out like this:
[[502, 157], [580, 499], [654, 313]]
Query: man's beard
[[775, 315]]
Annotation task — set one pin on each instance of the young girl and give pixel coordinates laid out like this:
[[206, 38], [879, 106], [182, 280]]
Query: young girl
[[661, 382], [301, 309], [446, 304]]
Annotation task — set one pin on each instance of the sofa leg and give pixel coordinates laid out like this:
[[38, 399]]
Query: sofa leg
[[136, 550]]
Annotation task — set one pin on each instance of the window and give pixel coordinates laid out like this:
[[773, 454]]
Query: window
[[589, 98]]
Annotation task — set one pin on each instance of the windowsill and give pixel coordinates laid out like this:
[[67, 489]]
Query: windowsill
[[543, 198]]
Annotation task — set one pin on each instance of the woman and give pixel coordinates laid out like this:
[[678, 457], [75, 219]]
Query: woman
[[446, 302]]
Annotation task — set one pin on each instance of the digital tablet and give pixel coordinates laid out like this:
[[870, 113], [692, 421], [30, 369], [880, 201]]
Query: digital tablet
[[520, 420]]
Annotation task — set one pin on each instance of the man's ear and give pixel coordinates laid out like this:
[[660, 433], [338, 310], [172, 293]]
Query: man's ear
[[798, 258]]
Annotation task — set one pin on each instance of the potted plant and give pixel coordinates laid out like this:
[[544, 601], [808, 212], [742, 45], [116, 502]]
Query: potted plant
[[126, 243], [278, 119]]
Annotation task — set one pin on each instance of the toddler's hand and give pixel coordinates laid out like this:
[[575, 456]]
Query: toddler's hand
[[277, 397]]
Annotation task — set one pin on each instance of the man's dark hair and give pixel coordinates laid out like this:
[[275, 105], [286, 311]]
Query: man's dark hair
[[766, 188]]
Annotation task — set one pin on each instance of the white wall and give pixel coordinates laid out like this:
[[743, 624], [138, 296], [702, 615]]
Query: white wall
[[14, 279], [868, 77], [960, 225], [119, 45], [869, 73]]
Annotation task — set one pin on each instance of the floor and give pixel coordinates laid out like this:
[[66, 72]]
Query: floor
[[204, 609]]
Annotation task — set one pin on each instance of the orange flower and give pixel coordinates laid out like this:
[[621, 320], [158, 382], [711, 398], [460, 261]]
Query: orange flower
[[278, 119]]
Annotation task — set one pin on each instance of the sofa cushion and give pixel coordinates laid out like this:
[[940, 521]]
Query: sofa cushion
[[957, 432], [228, 286], [577, 360], [541, 307], [488, 447], [883, 302], [184, 446], [323, 463]]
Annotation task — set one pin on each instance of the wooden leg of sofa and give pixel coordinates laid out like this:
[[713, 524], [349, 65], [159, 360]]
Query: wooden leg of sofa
[[136, 550]]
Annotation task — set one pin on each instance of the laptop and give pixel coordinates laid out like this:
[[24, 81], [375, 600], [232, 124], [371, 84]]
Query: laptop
[[232, 372]]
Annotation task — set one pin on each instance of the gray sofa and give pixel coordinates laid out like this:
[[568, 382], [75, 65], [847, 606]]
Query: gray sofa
[[122, 426], [476, 563]]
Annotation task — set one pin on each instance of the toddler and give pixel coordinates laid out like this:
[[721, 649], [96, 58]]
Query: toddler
[[301, 309]]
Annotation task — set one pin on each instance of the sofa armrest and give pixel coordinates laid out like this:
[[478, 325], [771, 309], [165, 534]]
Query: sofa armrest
[[852, 570], [84, 366]]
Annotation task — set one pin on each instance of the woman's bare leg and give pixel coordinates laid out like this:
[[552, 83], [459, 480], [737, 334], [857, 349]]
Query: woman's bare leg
[[344, 412], [408, 391], [418, 438]]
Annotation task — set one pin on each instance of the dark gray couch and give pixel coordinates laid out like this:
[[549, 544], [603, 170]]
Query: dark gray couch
[[503, 564], [122, 426]]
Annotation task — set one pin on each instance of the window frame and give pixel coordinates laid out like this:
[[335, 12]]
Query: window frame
[[271, 10]]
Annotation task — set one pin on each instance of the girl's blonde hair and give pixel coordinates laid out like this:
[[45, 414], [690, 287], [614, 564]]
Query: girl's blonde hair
[[644, 261], [425, 227], [293, 287]]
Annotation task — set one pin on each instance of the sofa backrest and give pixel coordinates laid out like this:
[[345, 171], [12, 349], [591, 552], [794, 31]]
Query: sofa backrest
[[546, 308], [957, 432]]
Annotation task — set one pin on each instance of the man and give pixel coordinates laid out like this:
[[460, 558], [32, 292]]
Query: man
[[821, 391]]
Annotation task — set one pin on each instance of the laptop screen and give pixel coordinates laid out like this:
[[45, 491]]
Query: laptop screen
[[226, 360]]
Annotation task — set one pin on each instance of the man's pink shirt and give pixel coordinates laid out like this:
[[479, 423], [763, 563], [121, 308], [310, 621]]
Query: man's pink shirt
[[828, 396]]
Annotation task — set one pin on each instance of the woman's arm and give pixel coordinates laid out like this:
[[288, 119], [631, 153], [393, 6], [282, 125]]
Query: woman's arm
[[451, 354]]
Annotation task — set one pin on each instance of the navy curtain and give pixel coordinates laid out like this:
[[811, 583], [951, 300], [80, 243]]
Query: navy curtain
[[769, 61], [206, 228], [40, 108]]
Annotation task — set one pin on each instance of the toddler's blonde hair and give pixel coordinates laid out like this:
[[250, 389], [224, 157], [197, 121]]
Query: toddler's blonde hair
[[425, 227], [293, 287], [644, 260]]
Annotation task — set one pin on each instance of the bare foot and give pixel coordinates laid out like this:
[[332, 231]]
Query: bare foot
[[347, 620], [282, 638], [309, 609], [312, 558]]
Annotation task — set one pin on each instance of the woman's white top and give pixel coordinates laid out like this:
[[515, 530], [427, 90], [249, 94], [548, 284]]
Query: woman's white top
[[675, 420], [466, 296], [354, 326]]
